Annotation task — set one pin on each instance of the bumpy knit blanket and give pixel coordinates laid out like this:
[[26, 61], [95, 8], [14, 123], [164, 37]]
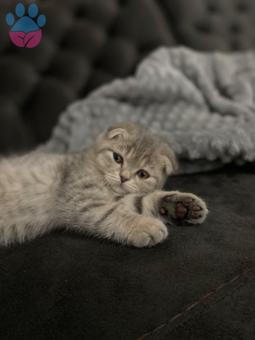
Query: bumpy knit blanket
[[203, 103]]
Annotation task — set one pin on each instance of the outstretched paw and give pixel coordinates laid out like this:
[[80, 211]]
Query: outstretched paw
[[183, 206], [147, 232]]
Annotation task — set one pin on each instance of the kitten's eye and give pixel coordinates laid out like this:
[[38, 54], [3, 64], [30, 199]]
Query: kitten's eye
[[142, 174], [118, 158]]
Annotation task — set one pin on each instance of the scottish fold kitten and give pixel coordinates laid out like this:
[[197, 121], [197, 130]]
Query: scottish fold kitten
[[112, 190]]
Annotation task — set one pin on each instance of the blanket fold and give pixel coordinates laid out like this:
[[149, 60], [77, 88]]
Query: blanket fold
[[202, 103]]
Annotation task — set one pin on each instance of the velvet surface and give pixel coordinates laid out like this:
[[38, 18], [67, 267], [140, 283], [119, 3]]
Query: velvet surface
[[198, 284]]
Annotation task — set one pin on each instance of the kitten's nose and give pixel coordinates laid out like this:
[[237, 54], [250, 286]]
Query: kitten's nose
[[124, 175], [123, 178]]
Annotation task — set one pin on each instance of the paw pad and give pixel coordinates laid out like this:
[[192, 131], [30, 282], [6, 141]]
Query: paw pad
[[181, 211], [182, 207], [26, 29]]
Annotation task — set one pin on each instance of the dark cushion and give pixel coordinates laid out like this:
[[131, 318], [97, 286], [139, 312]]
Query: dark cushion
[[213, 24], [199, 284], [84, 44]]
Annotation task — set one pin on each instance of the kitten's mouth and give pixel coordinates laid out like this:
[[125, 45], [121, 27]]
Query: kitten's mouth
[[120, 189], [128, 189], [123, 188]]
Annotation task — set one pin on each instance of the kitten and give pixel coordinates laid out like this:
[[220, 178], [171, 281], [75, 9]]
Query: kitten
[[112, 190]]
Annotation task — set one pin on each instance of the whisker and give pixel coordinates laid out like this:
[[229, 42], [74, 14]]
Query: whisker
[[112, 178]]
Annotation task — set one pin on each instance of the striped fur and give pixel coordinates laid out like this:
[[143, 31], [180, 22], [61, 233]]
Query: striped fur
[[83, 190]]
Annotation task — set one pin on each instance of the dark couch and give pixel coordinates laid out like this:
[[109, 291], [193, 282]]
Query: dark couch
[[200, 283]]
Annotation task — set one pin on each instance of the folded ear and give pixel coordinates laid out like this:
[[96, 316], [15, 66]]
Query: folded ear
[[169, 159], [122, 130], [114, 133]]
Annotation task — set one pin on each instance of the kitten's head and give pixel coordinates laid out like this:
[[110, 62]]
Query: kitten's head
[[132, 160]]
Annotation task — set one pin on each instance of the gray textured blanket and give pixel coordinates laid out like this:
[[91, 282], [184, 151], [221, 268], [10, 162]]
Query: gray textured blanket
[[203, 103]]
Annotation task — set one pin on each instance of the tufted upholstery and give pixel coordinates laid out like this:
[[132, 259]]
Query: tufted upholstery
[[89, 42], [85, 43], [213, 24]]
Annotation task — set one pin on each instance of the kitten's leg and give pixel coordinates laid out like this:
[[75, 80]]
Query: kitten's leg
[[177, 205], [137, 220], [122, 222]]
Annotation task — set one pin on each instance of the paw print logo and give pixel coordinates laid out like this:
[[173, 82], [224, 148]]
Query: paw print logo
[[26, 29]]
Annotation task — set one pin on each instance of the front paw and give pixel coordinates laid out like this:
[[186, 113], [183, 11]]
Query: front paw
[[183, 206], [147, 232]]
